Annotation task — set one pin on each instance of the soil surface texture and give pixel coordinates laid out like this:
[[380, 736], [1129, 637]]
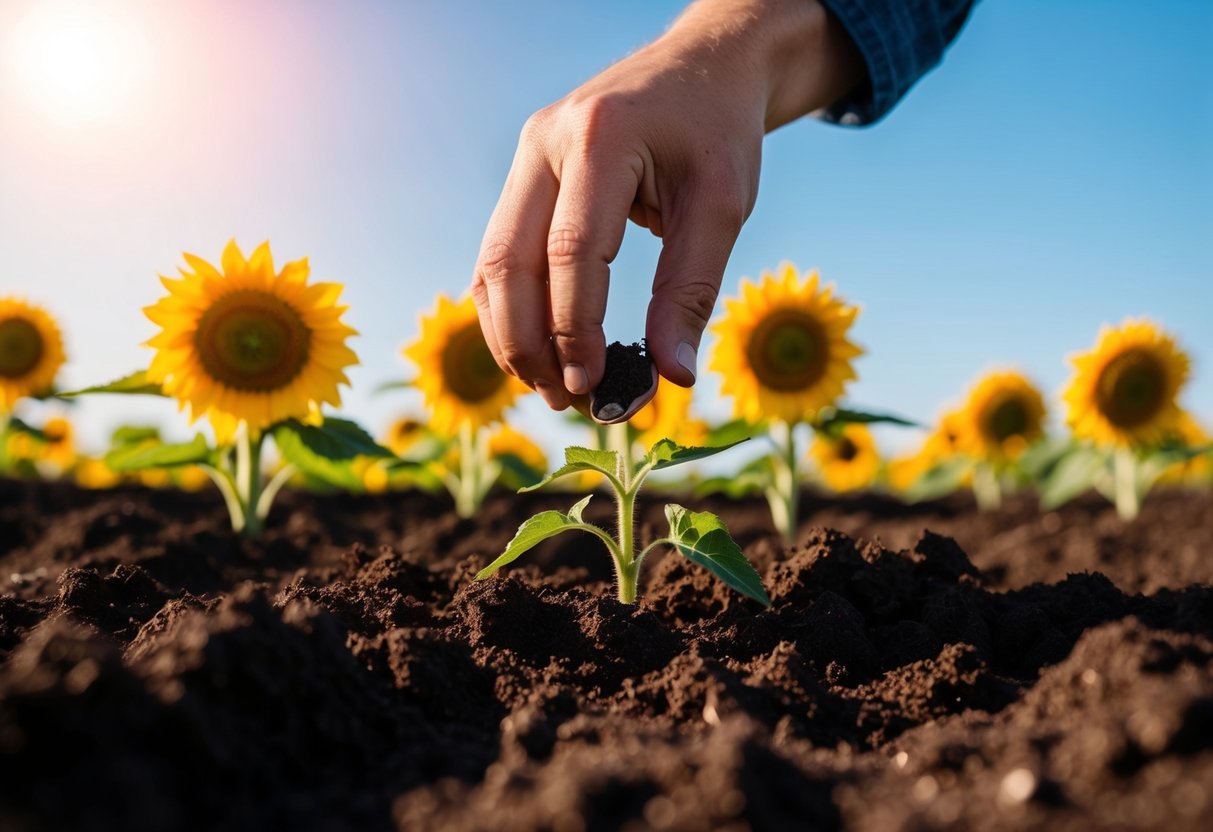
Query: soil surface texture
[[921, 667], [628, 375]]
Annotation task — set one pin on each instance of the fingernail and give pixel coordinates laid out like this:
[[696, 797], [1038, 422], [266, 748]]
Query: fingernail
[[575, 379], [685, 354], [553, 395]]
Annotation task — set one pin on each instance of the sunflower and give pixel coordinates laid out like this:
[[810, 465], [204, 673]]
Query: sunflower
[[782, 347], [848, 462], [94, 473], [31, 351], [459, 380], [668, 416], [505, 441], [1003, 414], [58, 447], [1123, 391], [248, 344], [403, 434], [941, 444]]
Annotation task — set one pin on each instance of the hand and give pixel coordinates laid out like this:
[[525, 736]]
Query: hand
[[671, 138]]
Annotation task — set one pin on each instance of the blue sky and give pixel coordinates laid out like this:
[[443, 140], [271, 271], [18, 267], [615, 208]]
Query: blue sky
[[1056, 172]]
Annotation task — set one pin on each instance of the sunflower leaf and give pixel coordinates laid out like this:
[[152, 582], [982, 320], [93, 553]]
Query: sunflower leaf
[[131, 434], [581, 459], [516, 473], [337, 439], [1076, 472], [702, 538], [389, 386], [752, 478], [535, 530], [832, 420], [17, 426], [940, 479], [730, 433], [667, 453], [136, 383], [143, 455]]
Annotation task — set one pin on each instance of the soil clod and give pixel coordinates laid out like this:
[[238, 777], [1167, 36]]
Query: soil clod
[[628, 377]]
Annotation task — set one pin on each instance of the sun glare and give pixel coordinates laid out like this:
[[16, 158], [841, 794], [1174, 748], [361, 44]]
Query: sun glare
[[78, 60]]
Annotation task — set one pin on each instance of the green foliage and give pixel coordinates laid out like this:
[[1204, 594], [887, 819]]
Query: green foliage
[[832, 420], [136, 383], [142, 455], [327, 451], [535, 530], [702, 538], [699, 536]]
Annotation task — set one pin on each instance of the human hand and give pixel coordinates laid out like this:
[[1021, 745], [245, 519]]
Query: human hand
[[671, 138]]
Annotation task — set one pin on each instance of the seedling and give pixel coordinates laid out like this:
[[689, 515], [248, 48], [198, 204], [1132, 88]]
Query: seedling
[[701, 537]]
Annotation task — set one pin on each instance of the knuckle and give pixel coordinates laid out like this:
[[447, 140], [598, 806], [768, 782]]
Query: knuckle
[[498, 261], [536, 126], [568, 246], [728, 208], [693, 301]]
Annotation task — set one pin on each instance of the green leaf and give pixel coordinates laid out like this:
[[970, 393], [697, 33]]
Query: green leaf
[[832, 420], [516, 473], [702, 538], [1074, 473], [389, 386], [327, 452], [134, 384], [130, 434], [730, 433], [138, 457], [534, 531], [17, 426], [338, 439], [666, 453], [581, 459], [940, 480]]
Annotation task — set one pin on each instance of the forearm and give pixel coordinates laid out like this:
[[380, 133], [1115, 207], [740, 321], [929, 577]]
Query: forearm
[[796, 51]]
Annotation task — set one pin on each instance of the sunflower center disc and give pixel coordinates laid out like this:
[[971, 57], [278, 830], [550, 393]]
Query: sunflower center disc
[[1132, 389], [20, 347], [1007, 418], [251, 340], [788, 350], [468, 368], [846, 450]]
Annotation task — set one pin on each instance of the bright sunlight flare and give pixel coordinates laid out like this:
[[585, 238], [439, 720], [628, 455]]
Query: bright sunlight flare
[[79, 61]]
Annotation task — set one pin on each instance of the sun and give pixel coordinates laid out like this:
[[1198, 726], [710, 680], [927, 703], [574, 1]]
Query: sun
[[79, 61]]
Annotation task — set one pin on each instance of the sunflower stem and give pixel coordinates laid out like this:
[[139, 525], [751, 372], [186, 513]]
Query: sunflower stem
[[1128, 501], [627, 568], [986, 487], [465, 494], [6, 419], [619, 440], [783, 495], [248, 479]]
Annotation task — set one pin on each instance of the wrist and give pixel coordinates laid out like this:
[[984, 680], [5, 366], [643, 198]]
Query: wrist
[[797, 52]]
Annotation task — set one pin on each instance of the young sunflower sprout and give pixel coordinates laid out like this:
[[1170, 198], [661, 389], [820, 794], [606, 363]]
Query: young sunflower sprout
[[255, 352], [701, 537]]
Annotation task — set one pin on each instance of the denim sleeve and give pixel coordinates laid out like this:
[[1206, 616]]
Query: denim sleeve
[[900, 40]]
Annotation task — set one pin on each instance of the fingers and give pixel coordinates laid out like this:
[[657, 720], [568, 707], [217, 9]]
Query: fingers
[[509, 285], [698, 242], [587, 229]]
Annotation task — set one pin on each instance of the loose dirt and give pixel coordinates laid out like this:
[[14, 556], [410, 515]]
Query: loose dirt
[[921, 667]]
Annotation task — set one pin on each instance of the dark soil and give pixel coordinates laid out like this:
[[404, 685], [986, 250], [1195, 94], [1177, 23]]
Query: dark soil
[[628, 376], [1025, 671]]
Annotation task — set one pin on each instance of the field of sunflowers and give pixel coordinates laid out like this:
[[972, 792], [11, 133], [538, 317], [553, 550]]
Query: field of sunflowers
[[288, 621]]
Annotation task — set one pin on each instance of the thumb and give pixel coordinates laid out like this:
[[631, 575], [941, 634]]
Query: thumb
[[689, 270]]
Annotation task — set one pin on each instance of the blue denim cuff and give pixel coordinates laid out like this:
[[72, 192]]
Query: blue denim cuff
[[900, 41]]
